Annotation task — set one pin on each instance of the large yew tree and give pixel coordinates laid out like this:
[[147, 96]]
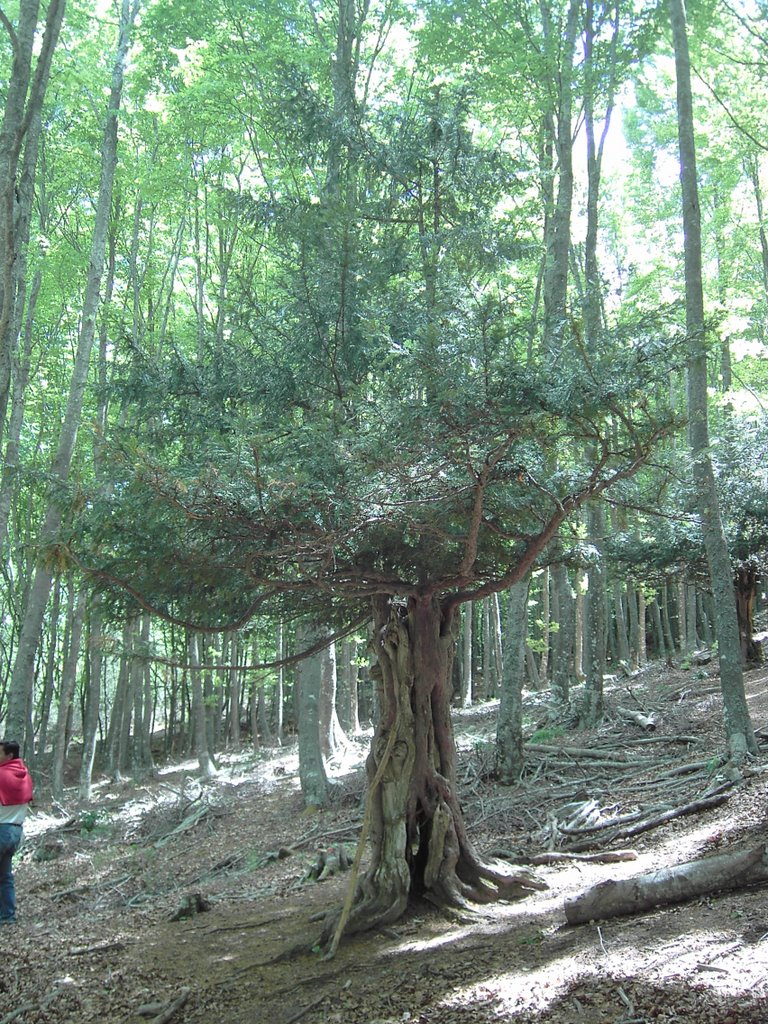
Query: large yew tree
[[396, 474], [363, 431]]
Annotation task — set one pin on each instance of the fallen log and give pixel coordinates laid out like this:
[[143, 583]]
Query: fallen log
[[618, 898], [646, 722]]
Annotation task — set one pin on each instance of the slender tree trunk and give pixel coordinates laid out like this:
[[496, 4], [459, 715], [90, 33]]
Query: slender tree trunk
[[466, 672], [546, 618], [50, 673], [20, 691], [658, 629], [703, 619], [279, 686], [20, 371], [489, 681], [620, 619], [739, 733], [314, 781], [668, 634], [332, 738], [532, 669], [692, 640], [595, 617], [496, 633], [642, 626], [746, 596], [143, 700], [562, 660], [66, 690], [19, 142], [121, 709], [578, 629], [199, 713], [682, 618], [509, 725], [261, 715], [234, 691], [253, 715], [595, 624], [560, 43], [93, 697], [634, 624], [348, 702], [753, 169]]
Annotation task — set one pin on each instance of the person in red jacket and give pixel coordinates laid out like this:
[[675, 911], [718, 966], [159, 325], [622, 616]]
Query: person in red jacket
[[15, 795]]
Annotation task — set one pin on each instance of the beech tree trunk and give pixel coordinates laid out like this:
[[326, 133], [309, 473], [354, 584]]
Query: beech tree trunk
[[22, 679], [509, 726], [92, 697], [46, 699], [314, 781], [546, 632], [332, 737], [739, 732], [466, 671], [279, 687], [563, 612], [347, 698], [66, 690], [418, 837], [20, 131], [199, 711]]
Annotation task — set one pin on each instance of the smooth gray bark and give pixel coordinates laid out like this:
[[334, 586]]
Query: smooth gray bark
[[22, 679], [119, 723], [509, 726], [332, 738], [199, 711], [349, 714], [563, 612], [740, 737], [314, 781], [66, 690], [92, 697], [279, 686], [466, 661], [19, 143]]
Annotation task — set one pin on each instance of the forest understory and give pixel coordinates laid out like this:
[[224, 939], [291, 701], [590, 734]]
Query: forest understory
[[177, 901]]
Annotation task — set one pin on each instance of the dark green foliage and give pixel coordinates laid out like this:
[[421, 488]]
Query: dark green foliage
[[373, 417]]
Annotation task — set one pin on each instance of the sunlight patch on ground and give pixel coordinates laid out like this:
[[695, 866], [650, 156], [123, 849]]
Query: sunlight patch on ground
[[179, 767], [351, 756], [692, 843], [719, 960], [714, 960], [38, 822]]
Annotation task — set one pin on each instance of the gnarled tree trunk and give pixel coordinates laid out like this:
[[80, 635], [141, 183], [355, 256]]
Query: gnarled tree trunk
[[419, 841]]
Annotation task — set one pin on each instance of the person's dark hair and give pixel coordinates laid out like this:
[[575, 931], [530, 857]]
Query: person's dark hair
[[10, 747]]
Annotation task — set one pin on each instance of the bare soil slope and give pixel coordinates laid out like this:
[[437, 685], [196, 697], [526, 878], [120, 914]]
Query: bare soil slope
[[105, 934]]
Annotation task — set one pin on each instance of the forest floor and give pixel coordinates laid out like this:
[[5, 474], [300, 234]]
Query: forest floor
[[103, 935]]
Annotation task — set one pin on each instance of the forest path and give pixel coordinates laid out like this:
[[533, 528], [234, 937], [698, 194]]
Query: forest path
[[96, 941]]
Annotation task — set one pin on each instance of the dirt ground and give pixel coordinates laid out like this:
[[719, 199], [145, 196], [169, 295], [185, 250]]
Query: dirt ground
[[104, 936]]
